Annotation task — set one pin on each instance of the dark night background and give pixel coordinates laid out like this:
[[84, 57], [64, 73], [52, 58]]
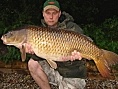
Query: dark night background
[[83, 11]]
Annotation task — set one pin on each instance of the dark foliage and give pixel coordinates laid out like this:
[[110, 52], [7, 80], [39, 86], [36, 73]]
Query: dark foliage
[[83, 11]]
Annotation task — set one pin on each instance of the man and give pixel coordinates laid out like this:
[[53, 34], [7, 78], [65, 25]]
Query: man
[[68, 75]]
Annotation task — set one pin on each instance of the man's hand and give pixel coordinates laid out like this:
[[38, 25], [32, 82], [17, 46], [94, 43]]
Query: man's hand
[[74, 56], [28, 48]]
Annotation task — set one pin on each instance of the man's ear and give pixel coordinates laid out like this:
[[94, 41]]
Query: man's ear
[[43, 13], [59, 13]]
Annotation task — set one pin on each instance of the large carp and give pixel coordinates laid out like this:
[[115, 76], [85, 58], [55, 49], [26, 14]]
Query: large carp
[[53, 44]]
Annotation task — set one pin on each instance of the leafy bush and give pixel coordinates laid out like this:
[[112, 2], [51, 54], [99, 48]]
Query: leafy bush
[[12, 54], [104, 35]]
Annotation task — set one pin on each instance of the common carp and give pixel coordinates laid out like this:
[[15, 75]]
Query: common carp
[[53, 44]]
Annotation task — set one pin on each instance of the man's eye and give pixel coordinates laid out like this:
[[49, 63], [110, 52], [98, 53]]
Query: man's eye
[[47, 12], [54, 13]]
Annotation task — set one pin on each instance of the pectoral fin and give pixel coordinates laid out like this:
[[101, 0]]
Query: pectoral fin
[[23, 53], [52, 63]]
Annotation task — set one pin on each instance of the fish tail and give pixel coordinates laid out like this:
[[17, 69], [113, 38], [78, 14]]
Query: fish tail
[[104, 62]]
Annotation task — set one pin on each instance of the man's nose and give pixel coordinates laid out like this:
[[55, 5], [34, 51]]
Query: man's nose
[[51, 16]]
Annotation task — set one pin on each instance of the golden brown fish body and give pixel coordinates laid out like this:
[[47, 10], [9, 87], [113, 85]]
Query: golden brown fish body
[[53, 44]]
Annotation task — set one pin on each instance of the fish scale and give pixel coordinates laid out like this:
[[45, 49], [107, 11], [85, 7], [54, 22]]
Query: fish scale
[[53, 44]]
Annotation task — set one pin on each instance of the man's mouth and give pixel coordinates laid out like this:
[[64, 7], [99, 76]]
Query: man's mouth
[[51, 21]]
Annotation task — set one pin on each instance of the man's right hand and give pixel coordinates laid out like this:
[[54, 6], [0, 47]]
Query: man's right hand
[[28, 48]]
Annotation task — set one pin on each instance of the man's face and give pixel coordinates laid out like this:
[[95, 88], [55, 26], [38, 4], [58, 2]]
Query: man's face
[[51, 17]]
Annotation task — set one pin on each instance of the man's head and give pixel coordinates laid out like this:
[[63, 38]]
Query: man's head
[[51, 12]]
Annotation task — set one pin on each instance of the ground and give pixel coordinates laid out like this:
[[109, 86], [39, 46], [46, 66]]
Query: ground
[[17, 76]]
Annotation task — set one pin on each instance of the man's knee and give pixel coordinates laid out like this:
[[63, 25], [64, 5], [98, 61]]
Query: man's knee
[[33, 65]]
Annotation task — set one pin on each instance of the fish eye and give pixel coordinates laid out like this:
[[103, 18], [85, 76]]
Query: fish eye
[[10, 33]]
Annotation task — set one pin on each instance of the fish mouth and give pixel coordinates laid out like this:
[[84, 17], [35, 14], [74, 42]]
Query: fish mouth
[[4, 40]]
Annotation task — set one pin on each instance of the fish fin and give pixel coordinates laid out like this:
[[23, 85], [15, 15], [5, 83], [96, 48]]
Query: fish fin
[[104, 62], [88, 38], [52, 63], [112, 58], [23, 53]]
